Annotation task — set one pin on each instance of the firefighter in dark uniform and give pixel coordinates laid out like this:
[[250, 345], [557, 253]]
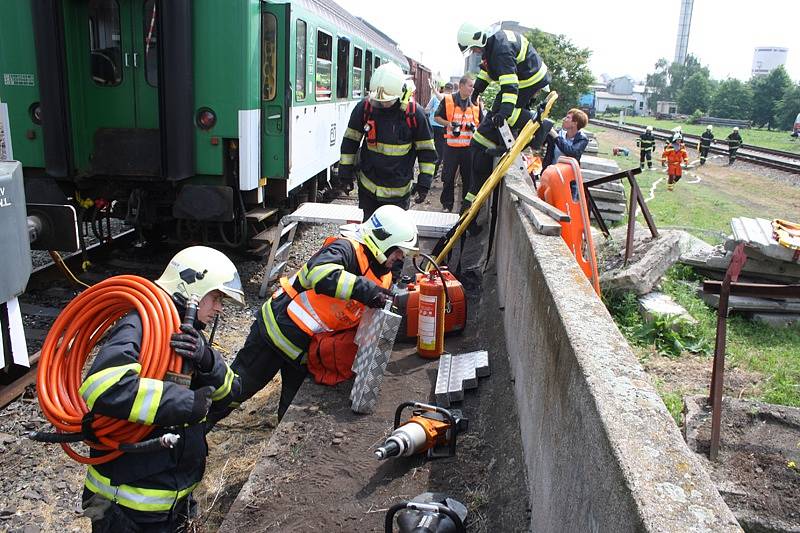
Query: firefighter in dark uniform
[[734, 143], [395, 132], [151, 491], [508, 58], [326, 295], [646, 143], [705, 143]]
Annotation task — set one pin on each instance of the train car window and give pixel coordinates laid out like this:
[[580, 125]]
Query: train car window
[[269, 60], [358, 64], [324, 62], [342, 68], [105, 43], [377, 62], [150, 43], [300, 60], [367, 70]]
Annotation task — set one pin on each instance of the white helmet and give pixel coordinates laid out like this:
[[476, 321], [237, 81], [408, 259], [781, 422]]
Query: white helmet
[[389, 83], [470, 35], [649, 128], [389, 226], [198, 270], [709, 127], [736, 128]]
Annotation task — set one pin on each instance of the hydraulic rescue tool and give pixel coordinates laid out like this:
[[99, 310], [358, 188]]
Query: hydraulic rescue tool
[[408, 300], [431, 429], [430, 512]]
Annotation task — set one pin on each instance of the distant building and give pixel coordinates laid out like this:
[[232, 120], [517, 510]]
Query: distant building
[[664, 107], [768, 58], [623, 93]]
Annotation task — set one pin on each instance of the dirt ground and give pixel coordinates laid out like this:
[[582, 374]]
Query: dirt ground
[[751, 475]]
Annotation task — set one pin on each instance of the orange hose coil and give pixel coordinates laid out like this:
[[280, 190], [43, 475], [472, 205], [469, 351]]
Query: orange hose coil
[[72, 338]]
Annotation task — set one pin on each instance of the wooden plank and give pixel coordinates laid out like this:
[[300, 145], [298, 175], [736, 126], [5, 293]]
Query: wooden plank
[[543, 223], [525, 195], [261, 213], [9, 393]]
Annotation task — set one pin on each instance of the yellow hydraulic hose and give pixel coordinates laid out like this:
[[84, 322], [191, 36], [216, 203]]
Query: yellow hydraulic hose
[[522, 140]]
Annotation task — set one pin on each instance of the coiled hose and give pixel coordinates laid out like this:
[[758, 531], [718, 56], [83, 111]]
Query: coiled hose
[[72, 338]]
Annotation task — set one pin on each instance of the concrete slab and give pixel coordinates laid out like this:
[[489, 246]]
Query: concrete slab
[[752, 304], [599, 164], [649, 265], [757, 233], [777, 320], [606, 194], [657, 304]]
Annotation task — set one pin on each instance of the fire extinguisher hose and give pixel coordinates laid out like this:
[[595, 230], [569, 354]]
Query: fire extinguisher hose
[[70, 341], [435, 266]]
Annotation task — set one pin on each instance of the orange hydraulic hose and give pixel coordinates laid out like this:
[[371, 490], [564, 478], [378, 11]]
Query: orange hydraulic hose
[[72, 338]]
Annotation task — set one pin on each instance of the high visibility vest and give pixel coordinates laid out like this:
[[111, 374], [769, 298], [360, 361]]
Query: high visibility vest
[[317, 313], [454, 113]]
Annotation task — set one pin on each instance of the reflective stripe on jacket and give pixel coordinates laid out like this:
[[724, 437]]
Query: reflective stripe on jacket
[[454, 113], [322, 297]]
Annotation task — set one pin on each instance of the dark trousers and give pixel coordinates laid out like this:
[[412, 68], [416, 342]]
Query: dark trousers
[[704, 154], [455, 159], [732, 155], [438, 141], [482, 166], [256, 364], [110, 517], [369, 203], [646, 154]]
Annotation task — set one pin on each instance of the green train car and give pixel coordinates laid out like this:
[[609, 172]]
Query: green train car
[[182, 114]]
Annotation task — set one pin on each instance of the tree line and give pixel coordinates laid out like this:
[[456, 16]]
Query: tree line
[[771, 101]]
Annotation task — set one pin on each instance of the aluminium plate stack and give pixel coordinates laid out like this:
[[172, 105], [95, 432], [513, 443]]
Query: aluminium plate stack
[[375, 339]]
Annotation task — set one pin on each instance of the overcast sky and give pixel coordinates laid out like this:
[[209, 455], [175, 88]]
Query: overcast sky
[[626, 36]]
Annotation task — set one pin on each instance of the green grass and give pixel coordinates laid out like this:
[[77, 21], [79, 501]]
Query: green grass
[[778, 140], [773, 353], [705, 209]]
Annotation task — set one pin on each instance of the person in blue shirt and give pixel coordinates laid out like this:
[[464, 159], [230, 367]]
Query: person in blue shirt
[[570, 141]]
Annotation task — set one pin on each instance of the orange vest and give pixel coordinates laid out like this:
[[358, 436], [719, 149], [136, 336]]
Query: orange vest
[[317, 313], [454, 113], [674, 159]]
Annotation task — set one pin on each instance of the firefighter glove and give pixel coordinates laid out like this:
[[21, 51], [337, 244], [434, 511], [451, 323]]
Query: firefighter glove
[[191, 345], [422, 193], [553, 134], [201, 403], [498, 119], [380, 299]]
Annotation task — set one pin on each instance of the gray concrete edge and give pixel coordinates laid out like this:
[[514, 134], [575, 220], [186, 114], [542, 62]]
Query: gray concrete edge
[[602, 453]]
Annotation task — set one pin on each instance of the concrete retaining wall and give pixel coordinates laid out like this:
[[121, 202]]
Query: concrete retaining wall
[[601, 451]]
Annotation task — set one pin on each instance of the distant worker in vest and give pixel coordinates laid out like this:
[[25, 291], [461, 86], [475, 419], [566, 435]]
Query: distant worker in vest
[[151, 491], [395, 132], [705, 143], [436, 128], [646, 143], [734, 143], [460, 117], [326, 295], [508, 58], [569, 141], [673, 157]]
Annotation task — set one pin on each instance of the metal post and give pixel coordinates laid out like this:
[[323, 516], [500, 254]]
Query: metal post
[[718, 370]]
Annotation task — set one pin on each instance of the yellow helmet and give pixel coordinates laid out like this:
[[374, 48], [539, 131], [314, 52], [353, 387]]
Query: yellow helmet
[[198, 270], [469, 35], [389, 226]]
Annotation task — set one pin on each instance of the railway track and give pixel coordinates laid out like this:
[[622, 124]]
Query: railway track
[[767, 157]]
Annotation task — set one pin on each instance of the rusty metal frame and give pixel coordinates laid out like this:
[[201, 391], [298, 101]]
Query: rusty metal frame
[[727, 287], [636, 197]]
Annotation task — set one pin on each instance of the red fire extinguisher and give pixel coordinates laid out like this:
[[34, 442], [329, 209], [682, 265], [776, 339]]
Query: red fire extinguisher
[[433, 304]]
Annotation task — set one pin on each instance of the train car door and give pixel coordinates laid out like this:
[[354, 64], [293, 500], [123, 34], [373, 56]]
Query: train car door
[[112, 51], [275, 90]]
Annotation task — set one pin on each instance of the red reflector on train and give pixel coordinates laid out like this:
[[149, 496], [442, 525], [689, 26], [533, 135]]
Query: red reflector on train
[[206, 118]]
